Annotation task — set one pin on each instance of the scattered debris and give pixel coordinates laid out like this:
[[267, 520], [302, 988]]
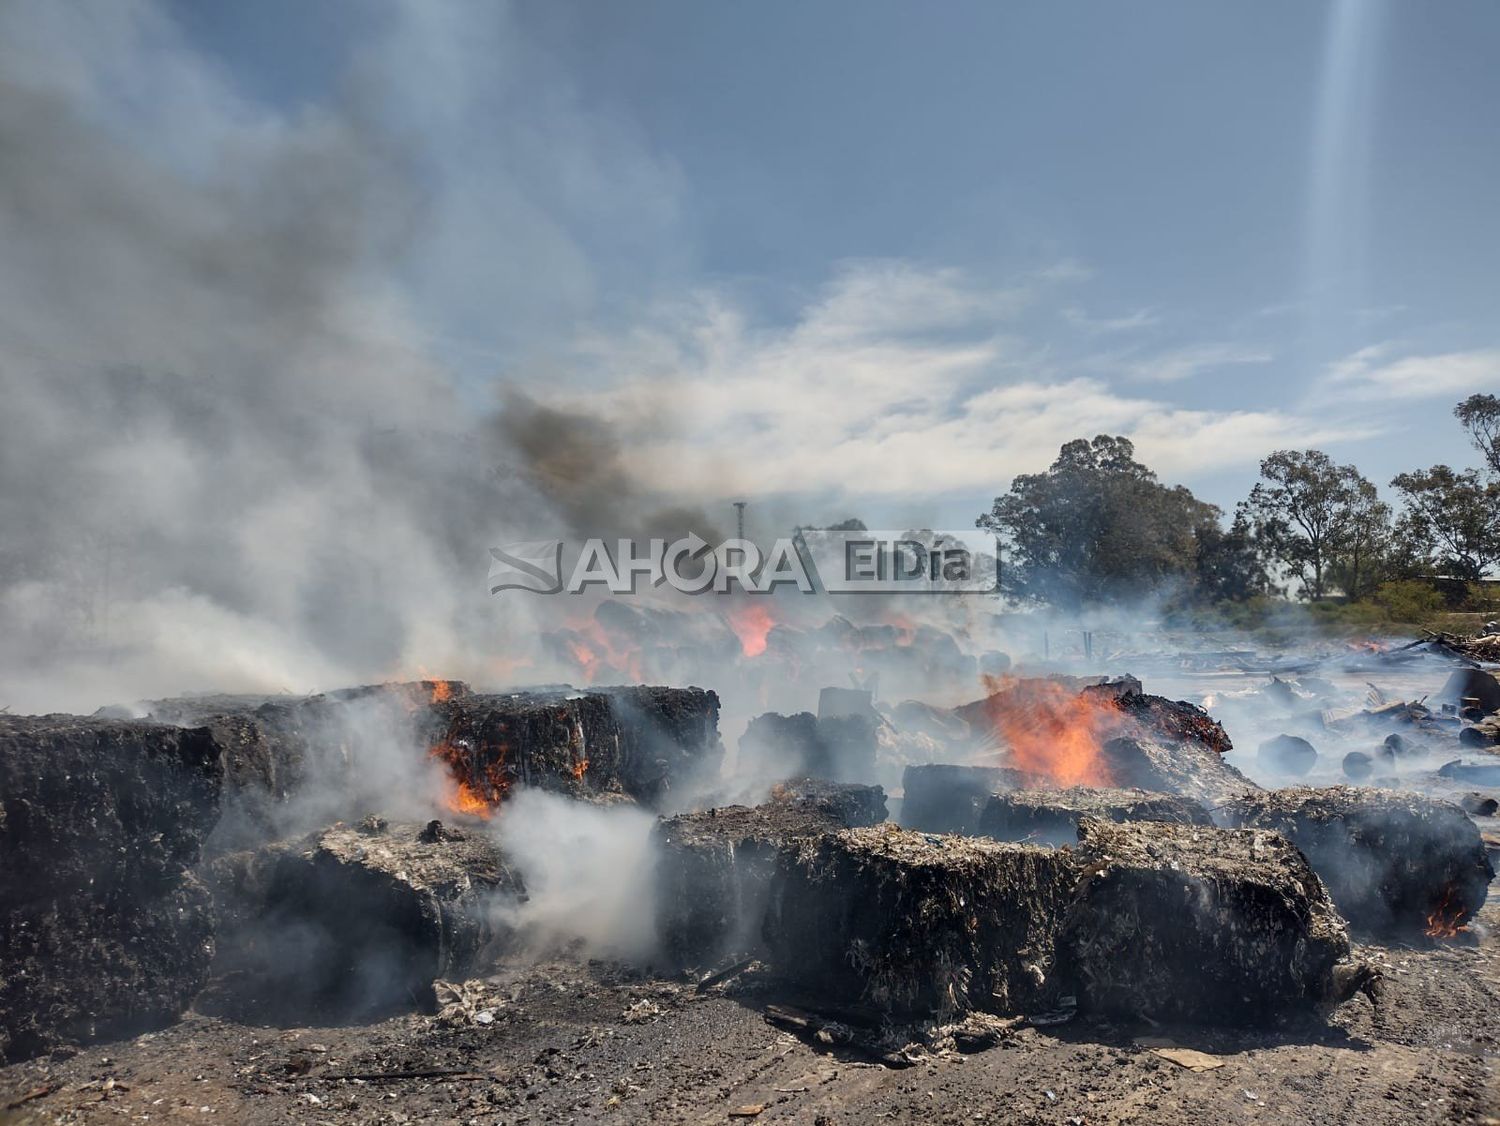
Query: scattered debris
[[1190, 1058]]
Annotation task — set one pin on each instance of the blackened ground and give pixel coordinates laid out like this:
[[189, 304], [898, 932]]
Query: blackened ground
[[576, 1042]]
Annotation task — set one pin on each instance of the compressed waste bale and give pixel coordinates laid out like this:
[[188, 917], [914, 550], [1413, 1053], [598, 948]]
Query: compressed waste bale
[[1478, 805], [852, 804], [1358, 766], [354, 921], [714, 873], [1393, 862], [1051, 817], [643, 743], [103, 930], [948, 798], [1189, 768], [1287, 754], [912, 924], [1201, 925], [839, 747]]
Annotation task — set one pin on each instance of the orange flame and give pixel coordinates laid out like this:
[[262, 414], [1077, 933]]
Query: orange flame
[[466, 795], [597, 651], [1049, 731], [751, 623], [1446, 918], [442, 690]]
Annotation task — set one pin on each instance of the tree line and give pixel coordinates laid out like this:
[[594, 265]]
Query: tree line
[[1099, 527]]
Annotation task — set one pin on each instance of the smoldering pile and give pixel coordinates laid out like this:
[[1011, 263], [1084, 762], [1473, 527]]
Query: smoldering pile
[[278, 858]]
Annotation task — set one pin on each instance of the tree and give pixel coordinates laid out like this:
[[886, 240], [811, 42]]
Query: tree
[[1480, 416], [1362, 544], [1451, 519], [1318, 519], [1097, 527]]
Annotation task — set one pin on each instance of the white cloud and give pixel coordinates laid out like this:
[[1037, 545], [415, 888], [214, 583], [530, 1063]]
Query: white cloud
[[1185, 363], [1375, 373], [862, 397]]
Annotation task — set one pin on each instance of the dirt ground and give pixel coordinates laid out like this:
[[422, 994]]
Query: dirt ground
[[577, 1041]]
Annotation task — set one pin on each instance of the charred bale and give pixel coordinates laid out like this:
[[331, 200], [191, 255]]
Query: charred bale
[[1189, 768], [1199, 925], [946, 798], [1051, 817], [918, 925], [1159, 719], [642, 743], [354, 922], [103, 931], [1395, 863], [714, 874], [853, 804]]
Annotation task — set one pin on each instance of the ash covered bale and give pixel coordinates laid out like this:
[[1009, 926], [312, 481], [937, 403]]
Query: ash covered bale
[[852, 804], [1287, 754], [916, 924], [1190, 769], [103, 932], [354, 921], [839, 747], [1393, 862], [947, 798], [715, 871], [1051, 817], [644, 743], [1214, 926]]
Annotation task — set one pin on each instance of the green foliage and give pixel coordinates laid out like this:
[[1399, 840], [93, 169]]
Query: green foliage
[[1451, 519], [1098, 527], [1479, 415], [1410, 600]]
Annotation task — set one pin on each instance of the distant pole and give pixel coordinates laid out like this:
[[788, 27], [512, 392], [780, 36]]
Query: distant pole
[[739, 519]]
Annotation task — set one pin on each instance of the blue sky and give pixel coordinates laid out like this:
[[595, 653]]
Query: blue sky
[[878, 257]]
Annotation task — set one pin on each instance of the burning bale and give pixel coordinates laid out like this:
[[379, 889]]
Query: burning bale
[[715, 872], [1051, 817], [945, 798], [355, 921], [839, 747], [917, 925], [1393, 862], [639, 743], [103, 930], [1185, 923]]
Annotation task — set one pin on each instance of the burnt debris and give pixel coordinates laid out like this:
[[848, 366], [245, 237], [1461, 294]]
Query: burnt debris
[[103, 930]]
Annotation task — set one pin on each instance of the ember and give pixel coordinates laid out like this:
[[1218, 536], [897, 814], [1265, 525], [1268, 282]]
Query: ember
[[1445, 921]]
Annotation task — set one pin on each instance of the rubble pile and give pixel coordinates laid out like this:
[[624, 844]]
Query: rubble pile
[[1393, 862], [1184, 923], [1051, 817], [914, 924], [103, 929], [353, 921]]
